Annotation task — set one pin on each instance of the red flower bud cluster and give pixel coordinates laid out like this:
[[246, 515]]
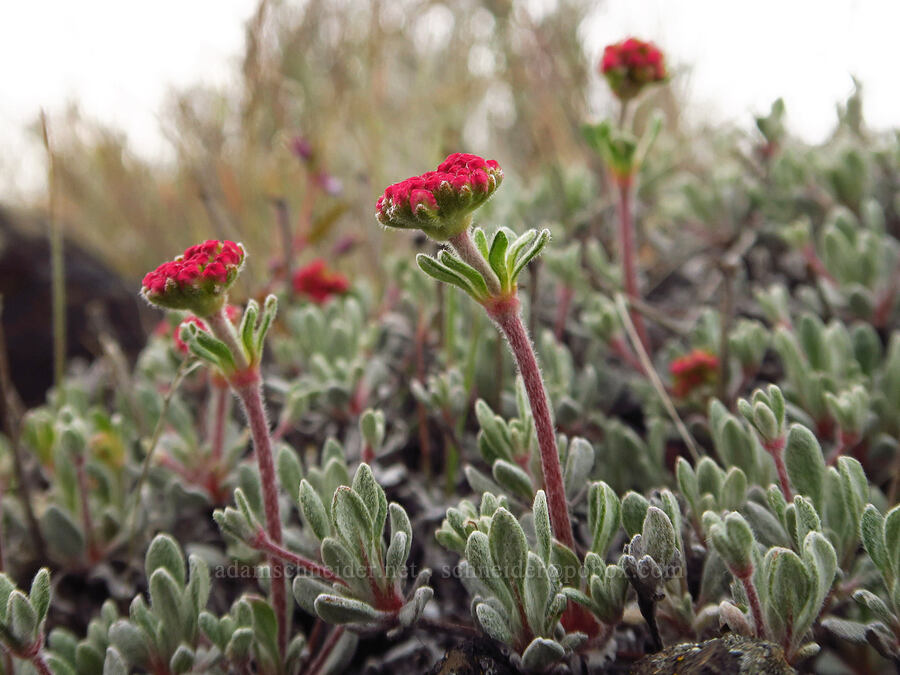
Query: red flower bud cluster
[[197, 279], [692, 371], [319, 283], [440, 202], [630, 65]]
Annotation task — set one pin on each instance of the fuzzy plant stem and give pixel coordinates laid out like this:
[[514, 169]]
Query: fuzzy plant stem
[[220, 416], [93, 554], [250, 396], [629, 269], [263, 543], [40, 665], [510, 323], [755, 606], [776, 449], [333, 638], [248, 388], [504, 310], [462, 243]]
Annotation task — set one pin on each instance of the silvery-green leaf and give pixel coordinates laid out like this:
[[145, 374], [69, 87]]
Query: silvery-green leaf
[[23, 620], [313, 510], [875, 605], [88, 658], [412, 610], [346, 565], [131, 643], [536, 592], [579, 462], [604, 516], [566, 563], [306, 589], [478, 555], [209, 624], [542, 529], [441, 272], [352, 521], [289, 471], [542, 653], [734, 489], [497, 257], [479, 482], [199, 584], [508, 547], [39, 596], [634, 510], [805, 464], [852, 631], [872, 534], [365, 485], [493, 623], [394, 559], [400, 523], [339, 610], [473, 277], [165, 600], [659, 536], [67, 538], [114, 664], [239, 645], [892, 539], [182, 660], [513, 478]]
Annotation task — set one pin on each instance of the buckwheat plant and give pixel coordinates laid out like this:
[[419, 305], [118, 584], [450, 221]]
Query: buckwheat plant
[[441, 203], [198, 281]]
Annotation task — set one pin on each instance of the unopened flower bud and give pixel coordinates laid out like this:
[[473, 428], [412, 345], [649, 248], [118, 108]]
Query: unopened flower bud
[[197, 280], [630, 65], [440, 203]]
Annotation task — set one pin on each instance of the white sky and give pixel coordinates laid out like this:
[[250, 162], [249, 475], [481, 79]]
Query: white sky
[[118, 58]]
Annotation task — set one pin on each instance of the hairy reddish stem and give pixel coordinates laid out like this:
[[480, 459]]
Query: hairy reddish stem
[[251, 399], [41, 665], [629, 269], [263, 543], [316, 666], [776, 449], [755, 606], [246, 384], [86, 521], [465, 247], [506, 315], [220, 415]]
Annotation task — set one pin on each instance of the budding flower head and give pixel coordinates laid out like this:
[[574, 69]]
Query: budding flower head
[[692, 371], [441, 202], [630, 65], [318, 282], [196, 280]]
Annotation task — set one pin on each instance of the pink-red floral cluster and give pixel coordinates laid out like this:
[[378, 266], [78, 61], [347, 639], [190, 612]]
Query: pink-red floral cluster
[[693, 370], [317, 282], [210, 261], [630, 65], [461, 183]]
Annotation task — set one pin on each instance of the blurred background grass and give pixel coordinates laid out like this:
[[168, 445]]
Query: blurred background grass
[[379, 90]]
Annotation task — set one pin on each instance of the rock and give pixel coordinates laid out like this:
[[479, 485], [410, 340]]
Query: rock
[[731, 653], [92, 289]]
